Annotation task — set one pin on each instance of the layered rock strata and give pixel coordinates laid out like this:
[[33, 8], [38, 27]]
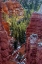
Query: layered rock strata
[[5, 51], [34, 39]]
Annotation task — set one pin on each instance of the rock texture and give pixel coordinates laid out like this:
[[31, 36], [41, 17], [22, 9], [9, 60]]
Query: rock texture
[[12, 7], [6, 27], [35, 25], [33, 52], [34, 40], [5, 51]]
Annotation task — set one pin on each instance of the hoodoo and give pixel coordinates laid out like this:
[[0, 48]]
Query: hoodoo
[[34, 39], [35, 25], [4, 42]]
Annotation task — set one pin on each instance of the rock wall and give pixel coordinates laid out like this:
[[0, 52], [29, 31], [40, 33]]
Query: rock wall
[[33, 52], [5, 52], [34, 44], [6, 27], [12, 8], [35, 25]]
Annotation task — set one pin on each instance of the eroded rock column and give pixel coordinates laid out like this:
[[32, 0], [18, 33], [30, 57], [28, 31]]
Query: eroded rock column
[[4, 42]]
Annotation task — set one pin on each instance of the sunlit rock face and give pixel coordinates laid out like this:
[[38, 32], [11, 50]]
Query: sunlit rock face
[[34, 39], [5, 51], [6, 27], [12, 8]]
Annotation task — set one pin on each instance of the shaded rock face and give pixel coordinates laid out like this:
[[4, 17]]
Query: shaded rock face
[[33, 51], [4, 42], [33, 40], [35, 25]]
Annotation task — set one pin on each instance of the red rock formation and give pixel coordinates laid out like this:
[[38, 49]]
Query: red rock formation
[[35, 25], [33, 34], [33, 51], [39, 52], [6, 27], [11, 7], [4, 8], [4, 42]]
